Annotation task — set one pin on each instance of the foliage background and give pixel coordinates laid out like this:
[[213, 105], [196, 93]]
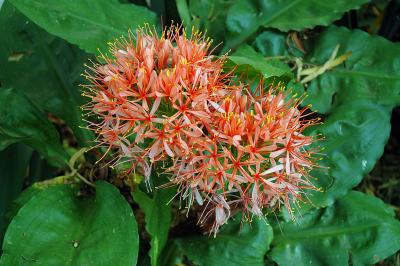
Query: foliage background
[[354, 220]]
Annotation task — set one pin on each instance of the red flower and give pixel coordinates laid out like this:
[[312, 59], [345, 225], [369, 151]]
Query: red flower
[[165, 98]]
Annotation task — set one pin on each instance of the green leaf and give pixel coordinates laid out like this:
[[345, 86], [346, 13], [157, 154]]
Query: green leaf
[[14, 203], [242, 22], [23, 198], [245, 17], [371, 72], [60, 226], [356, 134], [21, 121], [158, 218], [304, 14], [28, 193], [252, 64], [14, 161], [183, 10], [44, 68], [272, 43], [206, 15], [357, 230], [88, 24], [236, 243]]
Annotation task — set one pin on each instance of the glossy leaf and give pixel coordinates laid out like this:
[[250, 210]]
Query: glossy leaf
[[356, 134], [299, 14], [14, 162], [22, 122], [23, 198], [157, 213], [37, 187], [251, 64], [245, 17], [88, 24], [15, 204], [357, 230], [44, 68], [61, 226], [371, 72], [237, 244]]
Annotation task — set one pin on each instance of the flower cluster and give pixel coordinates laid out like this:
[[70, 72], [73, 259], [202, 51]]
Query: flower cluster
[[226, 145]]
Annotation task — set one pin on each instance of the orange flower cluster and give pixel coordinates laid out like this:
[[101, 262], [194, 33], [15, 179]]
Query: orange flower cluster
[[167, 99]]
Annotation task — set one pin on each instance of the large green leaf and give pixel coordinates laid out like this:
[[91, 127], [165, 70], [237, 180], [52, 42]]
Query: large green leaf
[[236, 244], [245, 17], [14, 161], [357, 230], [59, 226], [21, 121], [158, 218], [251, 64], [356, 134], [44, 68], [371, 72], [88, 24]]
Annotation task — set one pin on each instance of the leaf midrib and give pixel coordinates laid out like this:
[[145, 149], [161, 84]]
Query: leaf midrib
[[78, 17], [280, 12], [364, 73], [328, 231]]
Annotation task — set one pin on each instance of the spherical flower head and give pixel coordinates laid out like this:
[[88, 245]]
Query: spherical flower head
[[227, 146], [147, 101]]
